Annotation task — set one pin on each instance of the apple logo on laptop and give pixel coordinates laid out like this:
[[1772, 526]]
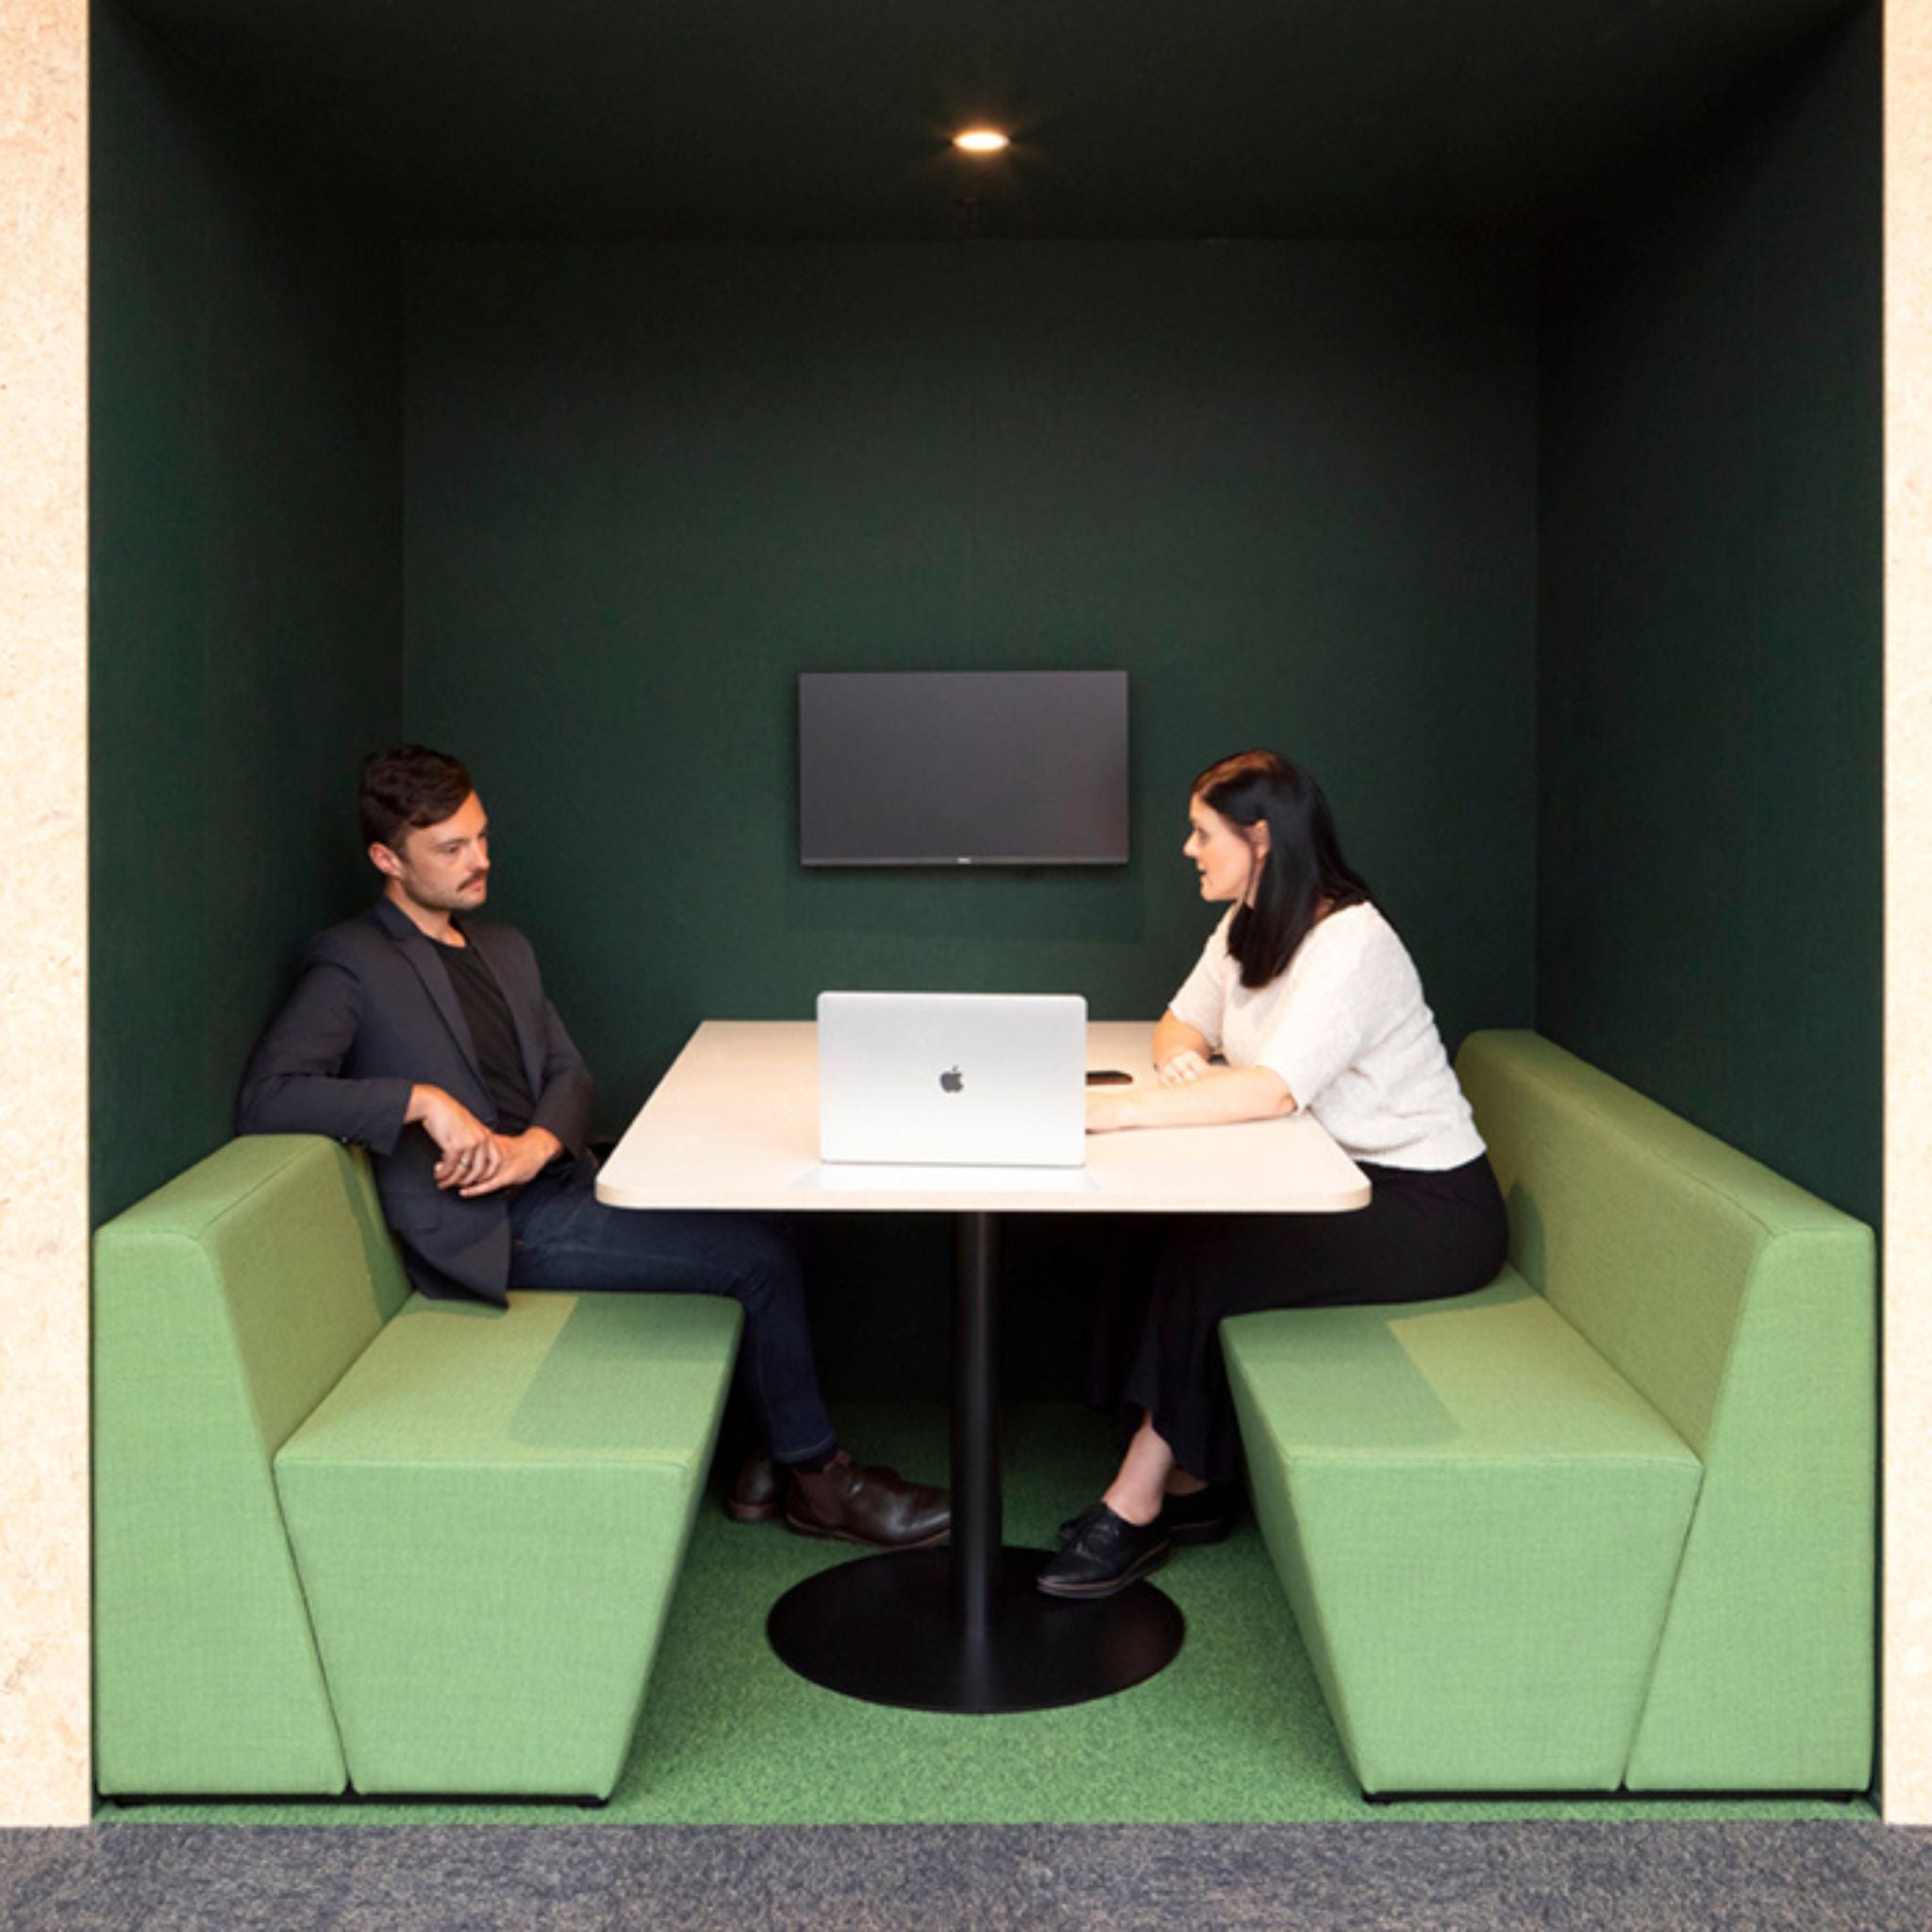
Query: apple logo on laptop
[[953, 1081]]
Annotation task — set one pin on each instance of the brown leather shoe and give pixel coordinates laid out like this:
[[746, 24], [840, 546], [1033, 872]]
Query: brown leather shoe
[[757, 1491], [850, 1504]]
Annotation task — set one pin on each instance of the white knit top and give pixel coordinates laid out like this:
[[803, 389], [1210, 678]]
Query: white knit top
[[1346, 1027]]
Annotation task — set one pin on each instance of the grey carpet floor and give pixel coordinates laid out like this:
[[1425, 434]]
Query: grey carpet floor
[[1757, 1877]]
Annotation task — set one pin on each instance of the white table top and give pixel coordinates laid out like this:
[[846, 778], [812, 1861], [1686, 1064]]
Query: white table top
[[735, 1124]]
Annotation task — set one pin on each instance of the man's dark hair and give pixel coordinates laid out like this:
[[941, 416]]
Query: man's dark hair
[[408, 785], [1303, 865]]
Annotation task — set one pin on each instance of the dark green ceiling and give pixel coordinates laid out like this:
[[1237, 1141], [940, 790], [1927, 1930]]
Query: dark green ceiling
[[830, 118]]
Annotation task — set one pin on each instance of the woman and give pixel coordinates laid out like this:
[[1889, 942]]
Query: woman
[[1312, 1001]]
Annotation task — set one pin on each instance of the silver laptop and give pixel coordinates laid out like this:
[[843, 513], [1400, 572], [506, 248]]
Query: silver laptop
[[953, 1079]]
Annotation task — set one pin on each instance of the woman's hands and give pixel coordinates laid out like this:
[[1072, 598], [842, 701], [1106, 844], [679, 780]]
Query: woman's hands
[[1180, 1051], [1214, 1096]]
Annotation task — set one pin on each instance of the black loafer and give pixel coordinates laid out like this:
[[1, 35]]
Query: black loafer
[[1104, 1556], [1206, 1516]]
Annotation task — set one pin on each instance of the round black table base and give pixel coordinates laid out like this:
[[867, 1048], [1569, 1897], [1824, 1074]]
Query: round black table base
[[883, 1630]]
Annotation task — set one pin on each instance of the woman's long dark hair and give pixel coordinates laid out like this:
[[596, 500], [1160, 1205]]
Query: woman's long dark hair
[[1303, 865]]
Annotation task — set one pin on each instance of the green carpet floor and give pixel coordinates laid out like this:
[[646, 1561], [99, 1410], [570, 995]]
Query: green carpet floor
[[1234, 1731]]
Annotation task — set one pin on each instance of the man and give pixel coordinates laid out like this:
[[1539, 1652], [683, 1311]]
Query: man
[[423, 1033]]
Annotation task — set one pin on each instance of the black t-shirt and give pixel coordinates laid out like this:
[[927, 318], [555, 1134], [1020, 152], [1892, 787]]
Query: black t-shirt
[[494, 1034]]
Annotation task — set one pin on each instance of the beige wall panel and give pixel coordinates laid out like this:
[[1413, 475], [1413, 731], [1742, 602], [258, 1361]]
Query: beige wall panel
[[1907, 1768], [44, 1775]]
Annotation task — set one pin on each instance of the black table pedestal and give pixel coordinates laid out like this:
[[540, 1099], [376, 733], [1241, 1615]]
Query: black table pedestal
[[963, 1628], [881, 1629]]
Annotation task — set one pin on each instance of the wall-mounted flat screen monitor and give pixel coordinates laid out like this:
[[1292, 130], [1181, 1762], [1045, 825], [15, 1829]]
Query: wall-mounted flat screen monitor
[[962, 767]]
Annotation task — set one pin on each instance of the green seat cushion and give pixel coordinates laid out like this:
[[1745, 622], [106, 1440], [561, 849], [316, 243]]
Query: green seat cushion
[[226, 1306], [1476, 1520], [488, 1513]]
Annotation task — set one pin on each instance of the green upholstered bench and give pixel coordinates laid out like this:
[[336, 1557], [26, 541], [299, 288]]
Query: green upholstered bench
[[345, 1535], [1610, 1520]]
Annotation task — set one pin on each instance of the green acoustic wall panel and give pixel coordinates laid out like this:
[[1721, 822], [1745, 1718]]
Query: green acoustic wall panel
[[1709, 566], [1288, 487], [245, 472]]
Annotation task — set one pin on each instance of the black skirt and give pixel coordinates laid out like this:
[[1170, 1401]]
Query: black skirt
[[1423, 1237]]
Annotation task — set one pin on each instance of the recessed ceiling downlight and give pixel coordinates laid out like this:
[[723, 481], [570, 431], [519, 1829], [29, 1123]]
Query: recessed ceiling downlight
[[980, 140]]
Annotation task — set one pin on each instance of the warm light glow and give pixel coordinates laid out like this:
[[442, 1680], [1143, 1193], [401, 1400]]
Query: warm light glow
[[980, 140]]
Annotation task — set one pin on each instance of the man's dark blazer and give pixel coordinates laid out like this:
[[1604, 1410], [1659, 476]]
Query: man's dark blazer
[[373, 1014]]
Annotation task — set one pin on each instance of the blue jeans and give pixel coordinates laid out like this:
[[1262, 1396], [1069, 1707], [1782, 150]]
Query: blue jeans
[[562, 1236]]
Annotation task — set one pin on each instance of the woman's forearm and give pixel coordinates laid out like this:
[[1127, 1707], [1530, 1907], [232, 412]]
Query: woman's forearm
[[1172, 1036], [1223, 1094]]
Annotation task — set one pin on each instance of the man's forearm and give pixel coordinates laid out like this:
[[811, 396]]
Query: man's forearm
[[563, 1109], [294, 1082], [372, 1113]]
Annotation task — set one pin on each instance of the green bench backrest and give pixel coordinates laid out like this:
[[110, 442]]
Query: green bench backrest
[[1645, 1233], [225, 1306], [1744, 1309]]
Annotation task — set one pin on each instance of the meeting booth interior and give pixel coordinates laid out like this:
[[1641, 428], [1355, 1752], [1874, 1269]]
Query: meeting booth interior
[[1481, 405]]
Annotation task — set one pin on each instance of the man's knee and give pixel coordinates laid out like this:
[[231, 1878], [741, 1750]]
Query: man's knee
[[764, 1261]]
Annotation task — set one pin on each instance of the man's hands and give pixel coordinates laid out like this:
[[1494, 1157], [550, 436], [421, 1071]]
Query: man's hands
[[475, 1160], [520, 1158], [469, 1148]]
